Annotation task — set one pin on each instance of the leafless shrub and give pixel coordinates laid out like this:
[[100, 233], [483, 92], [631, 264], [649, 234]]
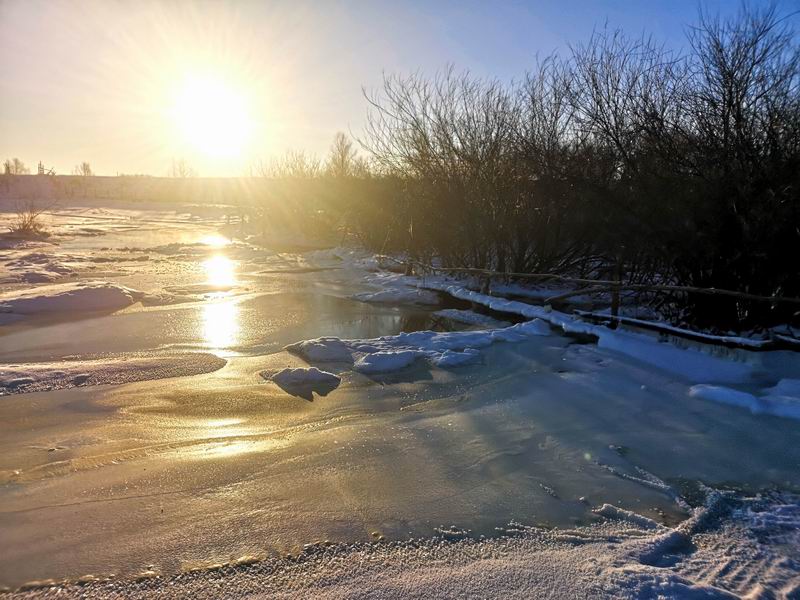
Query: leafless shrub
[[28, 222]]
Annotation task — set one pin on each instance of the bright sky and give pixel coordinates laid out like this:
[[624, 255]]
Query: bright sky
[[129, 85]]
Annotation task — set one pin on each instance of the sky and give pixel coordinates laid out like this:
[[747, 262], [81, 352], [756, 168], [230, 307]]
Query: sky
[[130, 86]]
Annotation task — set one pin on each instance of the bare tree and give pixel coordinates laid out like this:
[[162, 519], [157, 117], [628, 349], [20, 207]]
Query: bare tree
[[343, 159], [84, 169], [14, 166], [181, 169], [293, 164]]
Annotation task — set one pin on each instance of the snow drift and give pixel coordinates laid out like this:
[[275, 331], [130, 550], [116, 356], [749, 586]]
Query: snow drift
[[69, 297]]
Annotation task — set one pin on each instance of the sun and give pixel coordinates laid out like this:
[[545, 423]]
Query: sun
[[212, 116]]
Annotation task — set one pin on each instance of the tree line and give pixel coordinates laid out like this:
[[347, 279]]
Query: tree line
[[621, 160]]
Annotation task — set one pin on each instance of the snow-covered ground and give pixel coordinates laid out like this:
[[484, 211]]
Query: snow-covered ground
[[242, 401], [727, 549]]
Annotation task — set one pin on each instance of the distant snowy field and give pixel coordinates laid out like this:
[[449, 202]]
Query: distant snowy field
[[246, 401]]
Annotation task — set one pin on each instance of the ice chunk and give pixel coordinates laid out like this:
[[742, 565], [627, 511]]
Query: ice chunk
[[310, 375], [725, 395], [449, 359], [325, 349], [304, 382], [385, 361], [391, 353]]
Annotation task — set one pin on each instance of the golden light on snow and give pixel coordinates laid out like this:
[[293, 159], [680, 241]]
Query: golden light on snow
[[211, 116], [220, 271], [221, 324]]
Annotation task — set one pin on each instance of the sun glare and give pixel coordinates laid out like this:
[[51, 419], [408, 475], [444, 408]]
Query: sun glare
[[220, 327], [220, 271], [212, 116]]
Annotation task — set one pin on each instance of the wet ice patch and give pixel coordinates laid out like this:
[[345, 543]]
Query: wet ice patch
[[470, 317], [399, 295]]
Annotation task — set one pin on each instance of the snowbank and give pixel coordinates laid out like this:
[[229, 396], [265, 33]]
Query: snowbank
[[385, 361], [783, 400], [741, 548], [38, 267], [692, 364], [39, 377], [391, 353], [69, 297]]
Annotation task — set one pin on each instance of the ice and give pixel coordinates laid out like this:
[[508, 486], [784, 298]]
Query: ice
[[449, 359], [609, 511], [470, 317], [712, 555], [304, 382], [290, 376], [69, 297], [392, 353], [786, 388], [777, 401], [385, 361], [399, 296], [325, 349], [694, 365], [227, 466]]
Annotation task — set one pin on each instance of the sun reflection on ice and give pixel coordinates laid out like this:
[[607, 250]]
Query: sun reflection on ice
[[221, 324], [220, 270], [215, 240]]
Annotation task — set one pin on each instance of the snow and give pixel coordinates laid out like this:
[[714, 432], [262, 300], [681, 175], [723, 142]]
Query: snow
[[609, 511], [449, 358], [46, 376], [730, 339], [303, 382], [780, 401], [385, 361], [69, 297], [290, 376], [392, 353], [692, 364], [728, 548], [324, 349], [38, 267], [786, 388]]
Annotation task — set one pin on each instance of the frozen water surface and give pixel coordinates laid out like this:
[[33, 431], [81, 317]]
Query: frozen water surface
[[206, 464]]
